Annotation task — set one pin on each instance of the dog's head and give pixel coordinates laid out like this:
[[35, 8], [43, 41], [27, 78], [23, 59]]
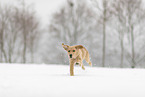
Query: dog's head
[[73, 51]]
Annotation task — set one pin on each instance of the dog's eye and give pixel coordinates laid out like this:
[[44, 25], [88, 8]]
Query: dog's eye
[[73, 50], [69, 51]]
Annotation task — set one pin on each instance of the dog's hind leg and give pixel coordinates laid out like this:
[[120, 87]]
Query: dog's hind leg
[[82, 65], [88, 59]]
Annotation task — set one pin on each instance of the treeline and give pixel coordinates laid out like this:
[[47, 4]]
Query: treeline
[[112, 30], [19, 33]]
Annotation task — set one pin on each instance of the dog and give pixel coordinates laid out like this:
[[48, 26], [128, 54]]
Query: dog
[[76, 55]]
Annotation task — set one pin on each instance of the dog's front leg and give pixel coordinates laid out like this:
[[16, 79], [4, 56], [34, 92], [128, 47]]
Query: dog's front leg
[[72, 62]]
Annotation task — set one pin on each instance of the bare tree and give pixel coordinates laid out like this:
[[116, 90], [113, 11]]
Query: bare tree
[[134, 14], [104, 14], [13, 33], [34, 36], [4, 17], [29, 28], [9, 33], [118, 12]]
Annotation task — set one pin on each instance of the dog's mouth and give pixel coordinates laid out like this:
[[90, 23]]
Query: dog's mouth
[[70, 55]]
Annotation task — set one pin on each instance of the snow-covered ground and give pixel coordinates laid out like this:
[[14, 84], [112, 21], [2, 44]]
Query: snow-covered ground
[[54, 81]]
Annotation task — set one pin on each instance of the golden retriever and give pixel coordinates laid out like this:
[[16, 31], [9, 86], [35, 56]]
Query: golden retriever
[[76, 55]]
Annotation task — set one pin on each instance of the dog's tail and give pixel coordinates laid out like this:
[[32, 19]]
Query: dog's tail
[[87, 58]]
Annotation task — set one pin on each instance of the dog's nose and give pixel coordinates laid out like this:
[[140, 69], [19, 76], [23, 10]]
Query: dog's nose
[[70, 55]]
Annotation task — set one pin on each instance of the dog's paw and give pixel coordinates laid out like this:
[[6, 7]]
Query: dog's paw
[[90, 64], [71, 74], [83, 68]]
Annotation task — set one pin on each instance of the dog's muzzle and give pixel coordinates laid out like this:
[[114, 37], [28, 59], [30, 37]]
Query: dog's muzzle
[[70, 55]]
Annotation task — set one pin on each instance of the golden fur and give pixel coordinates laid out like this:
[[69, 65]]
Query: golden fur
[[76, 55]]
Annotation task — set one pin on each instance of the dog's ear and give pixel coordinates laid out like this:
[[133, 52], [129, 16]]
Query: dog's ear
[[65, 46], [79, 47]]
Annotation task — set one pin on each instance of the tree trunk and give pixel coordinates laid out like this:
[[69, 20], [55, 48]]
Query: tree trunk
[[122, 52], [0, 56], [104, 34], [24, 50], [132, 48], [32, 54], [10, 54], [24, 33], [2, 46], [104, 44]]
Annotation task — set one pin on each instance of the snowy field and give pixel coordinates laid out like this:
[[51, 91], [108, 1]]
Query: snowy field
[[54, 81]]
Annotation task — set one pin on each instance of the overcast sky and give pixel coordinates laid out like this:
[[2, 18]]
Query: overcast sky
[[44, 8]]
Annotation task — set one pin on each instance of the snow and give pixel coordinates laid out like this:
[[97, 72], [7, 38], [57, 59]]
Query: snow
[[54, 81]]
